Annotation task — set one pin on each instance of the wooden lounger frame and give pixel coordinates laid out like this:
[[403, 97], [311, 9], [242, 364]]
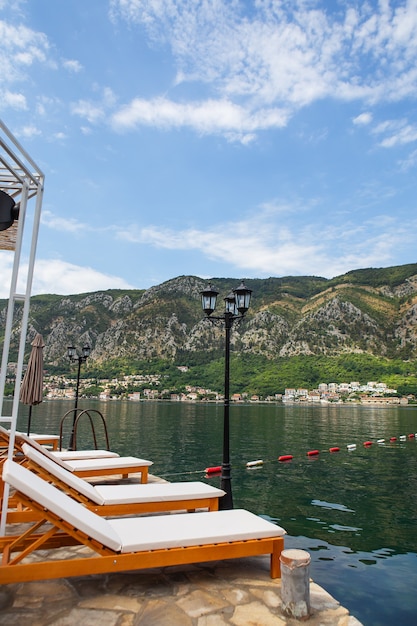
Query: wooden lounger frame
[[22, 514], [105, 560]]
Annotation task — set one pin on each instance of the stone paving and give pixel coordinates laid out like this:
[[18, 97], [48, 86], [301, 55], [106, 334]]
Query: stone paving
[[235, 592]]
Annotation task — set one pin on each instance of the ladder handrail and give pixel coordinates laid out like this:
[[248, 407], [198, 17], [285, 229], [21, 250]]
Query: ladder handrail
[[76, 420]]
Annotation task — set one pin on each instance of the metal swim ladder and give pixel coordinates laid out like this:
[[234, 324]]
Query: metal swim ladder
[[77, 414]]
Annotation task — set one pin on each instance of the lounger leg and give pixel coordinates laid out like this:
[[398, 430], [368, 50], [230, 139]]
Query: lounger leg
[[275, 557], [144, 475]]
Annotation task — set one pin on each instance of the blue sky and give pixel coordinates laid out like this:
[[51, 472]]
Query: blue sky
[[224, 138]]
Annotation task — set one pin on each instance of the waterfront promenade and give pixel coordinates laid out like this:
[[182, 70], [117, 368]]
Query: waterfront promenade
[[237, 592]]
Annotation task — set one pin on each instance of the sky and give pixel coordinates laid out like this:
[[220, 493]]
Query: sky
[[215, 138]]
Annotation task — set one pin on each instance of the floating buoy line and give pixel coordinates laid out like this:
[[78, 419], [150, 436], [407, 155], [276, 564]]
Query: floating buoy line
[[254, 463], [213, 471]]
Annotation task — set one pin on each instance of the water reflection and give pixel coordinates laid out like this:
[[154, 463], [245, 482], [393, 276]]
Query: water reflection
[[331, 505]]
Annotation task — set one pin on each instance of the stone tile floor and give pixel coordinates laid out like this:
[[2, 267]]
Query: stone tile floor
[[236, 592]]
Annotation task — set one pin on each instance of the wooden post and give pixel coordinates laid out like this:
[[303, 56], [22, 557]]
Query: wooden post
[[295, 583]]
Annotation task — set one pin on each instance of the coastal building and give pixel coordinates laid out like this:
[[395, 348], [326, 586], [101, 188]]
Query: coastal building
[[384, 400], [302, 393], [135, 396]]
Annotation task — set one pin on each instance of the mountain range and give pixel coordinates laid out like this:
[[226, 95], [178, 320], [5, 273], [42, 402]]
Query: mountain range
[[367, 311]]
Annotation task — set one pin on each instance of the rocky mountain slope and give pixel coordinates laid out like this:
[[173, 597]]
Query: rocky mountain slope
[[372, 311]]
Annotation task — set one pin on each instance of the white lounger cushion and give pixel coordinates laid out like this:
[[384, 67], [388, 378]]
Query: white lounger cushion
[[69, 454], [156, 492], [58, 459], [123, 494], [191, 529], [142, 533], [76, 455], [122, 462], [38, 437]]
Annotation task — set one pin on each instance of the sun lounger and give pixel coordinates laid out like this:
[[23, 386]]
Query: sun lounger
[[77, 455], [129, 543], [120, 466], [89, 468], [46, 440], [117, 500]]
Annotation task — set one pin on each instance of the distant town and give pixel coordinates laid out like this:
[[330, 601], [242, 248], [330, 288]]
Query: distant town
[[151, 387]]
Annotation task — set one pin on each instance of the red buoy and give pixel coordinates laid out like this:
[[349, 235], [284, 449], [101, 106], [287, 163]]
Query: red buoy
[[285, 457], [213, 470], [334, 449], [313, 452], [367, 443]]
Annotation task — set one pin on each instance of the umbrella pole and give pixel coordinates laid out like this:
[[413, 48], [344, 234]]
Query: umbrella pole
[[29, 418]]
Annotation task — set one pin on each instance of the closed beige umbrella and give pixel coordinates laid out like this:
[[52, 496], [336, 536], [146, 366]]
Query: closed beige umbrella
[[31, 390]]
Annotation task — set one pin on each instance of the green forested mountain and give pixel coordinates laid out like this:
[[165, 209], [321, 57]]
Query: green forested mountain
[[299, 330]]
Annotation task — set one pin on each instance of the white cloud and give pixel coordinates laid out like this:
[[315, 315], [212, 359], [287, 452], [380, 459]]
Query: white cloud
[[72, 65], [13, 100], [29, 131], [258, 63], [397, 132], [95, 112], [62, 224], [20, 49], [58, 277], [72, 225], [286, 54], [210, 116], [274, 251], [406, 134], [60, 136], [363, 119], [410, 162], [277, 250]]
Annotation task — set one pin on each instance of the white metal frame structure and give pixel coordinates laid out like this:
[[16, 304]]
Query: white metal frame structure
[[21, 179]]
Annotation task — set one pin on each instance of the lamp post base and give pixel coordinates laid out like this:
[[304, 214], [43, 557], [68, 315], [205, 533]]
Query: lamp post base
[[226, 502]]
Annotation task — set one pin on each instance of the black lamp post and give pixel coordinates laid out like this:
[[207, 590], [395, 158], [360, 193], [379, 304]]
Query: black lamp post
[[79, 358], [236, 305]]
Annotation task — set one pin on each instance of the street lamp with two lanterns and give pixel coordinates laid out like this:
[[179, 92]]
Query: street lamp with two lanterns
[[236, 305]]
